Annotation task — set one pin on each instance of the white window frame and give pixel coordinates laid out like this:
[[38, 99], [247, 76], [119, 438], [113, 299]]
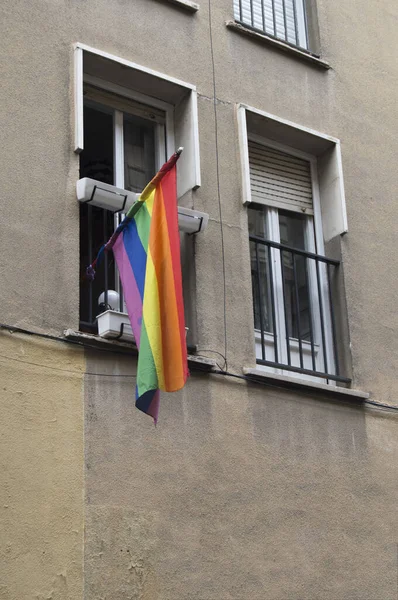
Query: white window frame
[[191, 156], [314, 243], [329, 168], [164, 133]]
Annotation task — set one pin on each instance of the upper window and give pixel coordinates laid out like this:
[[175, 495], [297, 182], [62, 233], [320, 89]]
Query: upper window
[[147, 88], [128, 120], [124, 145], [281, 19]]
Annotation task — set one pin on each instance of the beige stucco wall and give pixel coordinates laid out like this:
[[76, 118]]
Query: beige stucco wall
[[41, 470]]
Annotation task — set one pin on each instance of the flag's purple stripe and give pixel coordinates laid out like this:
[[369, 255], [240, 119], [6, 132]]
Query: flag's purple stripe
[[130, 290], [136, 253]]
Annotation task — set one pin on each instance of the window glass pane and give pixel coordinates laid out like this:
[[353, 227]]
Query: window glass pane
[[139, 152], [260, 270], [284, 19], [257, 221], [292, 229], [297, 299], [96, 160]]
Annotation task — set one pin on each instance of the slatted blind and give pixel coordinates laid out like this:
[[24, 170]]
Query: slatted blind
[[279, 179], [127, 105], [283, 19]]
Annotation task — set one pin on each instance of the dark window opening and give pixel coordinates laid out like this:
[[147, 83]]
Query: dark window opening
[[98, 161], [139, 152], [96, 224]]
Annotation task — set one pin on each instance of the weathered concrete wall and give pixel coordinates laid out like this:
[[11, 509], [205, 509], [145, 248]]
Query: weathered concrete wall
[[41, 470], [355, 101], [240, 492]]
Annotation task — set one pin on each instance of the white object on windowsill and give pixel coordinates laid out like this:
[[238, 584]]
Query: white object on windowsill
[[110, 323], [110, 197], [112, 300]]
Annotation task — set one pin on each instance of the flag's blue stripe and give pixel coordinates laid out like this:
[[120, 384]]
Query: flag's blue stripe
[[136, 255], [144, 401]]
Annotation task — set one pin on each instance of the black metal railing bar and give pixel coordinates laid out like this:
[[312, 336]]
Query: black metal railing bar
[[311, 299]]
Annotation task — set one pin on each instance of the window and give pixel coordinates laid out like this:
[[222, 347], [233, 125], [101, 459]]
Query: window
[[282, 19], [123, 78], [293, 310], [128, 119], [295, 207], [124, 145]]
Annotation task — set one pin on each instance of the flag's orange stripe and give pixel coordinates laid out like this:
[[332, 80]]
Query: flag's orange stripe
[[169, 188], [159, 247]]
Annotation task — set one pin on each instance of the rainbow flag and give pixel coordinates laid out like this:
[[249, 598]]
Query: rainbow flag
[[146, 246]]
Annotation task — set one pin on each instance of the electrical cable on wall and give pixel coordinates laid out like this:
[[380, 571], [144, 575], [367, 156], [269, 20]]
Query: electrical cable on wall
[[60, 370], [225, 373], [218, 185]]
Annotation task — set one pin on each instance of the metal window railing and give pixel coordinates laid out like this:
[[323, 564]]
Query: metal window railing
[[282, 19], [294, 310], [105, 291], [96, 227]]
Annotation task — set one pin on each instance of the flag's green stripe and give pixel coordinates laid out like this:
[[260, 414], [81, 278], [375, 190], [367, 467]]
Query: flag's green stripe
[[143, 222], [147, 378]]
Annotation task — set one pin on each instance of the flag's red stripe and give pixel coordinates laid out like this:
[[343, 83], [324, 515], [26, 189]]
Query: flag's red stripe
[[159, 247]]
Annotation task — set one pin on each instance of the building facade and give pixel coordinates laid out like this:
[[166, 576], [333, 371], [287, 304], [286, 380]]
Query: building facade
[[273, 473]]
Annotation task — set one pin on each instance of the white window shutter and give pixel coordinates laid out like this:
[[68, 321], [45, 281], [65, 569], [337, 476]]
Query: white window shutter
[[78, 97], [331, 187], [279, 179], [187, 135], [243, 153]]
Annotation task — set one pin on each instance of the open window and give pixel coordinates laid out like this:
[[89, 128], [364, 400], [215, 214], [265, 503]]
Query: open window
[[129, 120], [124, 145], [295, 207], [177, 99]]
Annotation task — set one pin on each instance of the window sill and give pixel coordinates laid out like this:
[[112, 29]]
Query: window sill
[[279, 45], [195, 363], [295, 383], [186, 4]]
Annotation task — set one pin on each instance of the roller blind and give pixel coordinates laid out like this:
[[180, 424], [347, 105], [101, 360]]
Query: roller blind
[[101, 96], [284, 19], [279, 179]]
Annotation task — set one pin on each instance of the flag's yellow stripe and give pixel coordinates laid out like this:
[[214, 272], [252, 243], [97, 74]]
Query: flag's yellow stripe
[[149, 202], [152, 320]]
